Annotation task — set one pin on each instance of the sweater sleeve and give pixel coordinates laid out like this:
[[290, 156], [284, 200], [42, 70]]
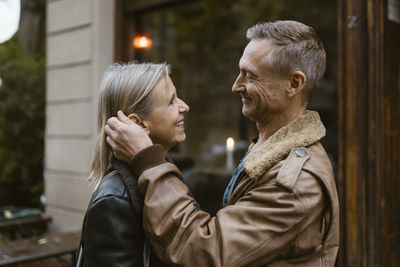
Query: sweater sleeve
[[146, 159]]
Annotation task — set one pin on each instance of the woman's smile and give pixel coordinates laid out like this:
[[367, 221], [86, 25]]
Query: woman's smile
[[166, 120], [181, 124]]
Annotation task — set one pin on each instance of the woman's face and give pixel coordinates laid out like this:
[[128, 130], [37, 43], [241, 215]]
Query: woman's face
[[165, 121]]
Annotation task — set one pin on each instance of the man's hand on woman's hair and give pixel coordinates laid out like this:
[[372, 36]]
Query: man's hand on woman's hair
[[125, 137]]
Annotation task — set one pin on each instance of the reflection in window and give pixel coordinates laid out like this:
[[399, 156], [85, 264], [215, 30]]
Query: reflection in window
[[203, 41]]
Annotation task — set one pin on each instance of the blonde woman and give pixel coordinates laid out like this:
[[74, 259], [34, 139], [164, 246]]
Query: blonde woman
[[112, 233]]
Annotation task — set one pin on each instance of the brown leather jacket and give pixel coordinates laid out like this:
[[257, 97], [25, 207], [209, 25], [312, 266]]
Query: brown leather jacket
[[284, 209]]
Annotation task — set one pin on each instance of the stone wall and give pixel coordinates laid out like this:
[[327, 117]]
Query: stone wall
[[80, 46]]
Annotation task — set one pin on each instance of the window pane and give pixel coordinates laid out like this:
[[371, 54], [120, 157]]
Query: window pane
[[203, 41]]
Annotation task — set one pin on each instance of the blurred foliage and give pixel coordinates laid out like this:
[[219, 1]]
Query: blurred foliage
[[210, 31], [22, 106]]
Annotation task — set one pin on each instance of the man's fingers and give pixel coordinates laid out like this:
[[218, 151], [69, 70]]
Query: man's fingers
[[112, 133], [113, 123], [107, 129], [122, 117], [125, 137], [113, 146], [116, 151], [111, 142]]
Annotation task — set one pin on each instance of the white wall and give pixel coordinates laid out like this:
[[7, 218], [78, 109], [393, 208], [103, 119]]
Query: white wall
[[80, 39]]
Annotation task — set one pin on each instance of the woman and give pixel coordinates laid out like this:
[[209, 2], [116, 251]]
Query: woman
[[112, 233]]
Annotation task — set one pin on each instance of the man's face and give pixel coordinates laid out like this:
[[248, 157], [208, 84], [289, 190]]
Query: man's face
[[263, 93]]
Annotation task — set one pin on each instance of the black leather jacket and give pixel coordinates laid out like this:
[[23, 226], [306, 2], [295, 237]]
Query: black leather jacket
[[112, 233]]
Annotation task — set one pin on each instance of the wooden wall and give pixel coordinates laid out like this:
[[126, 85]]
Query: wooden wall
[[369, 132]]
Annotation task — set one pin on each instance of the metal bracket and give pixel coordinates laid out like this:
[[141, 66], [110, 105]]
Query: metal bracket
[[352, 22]]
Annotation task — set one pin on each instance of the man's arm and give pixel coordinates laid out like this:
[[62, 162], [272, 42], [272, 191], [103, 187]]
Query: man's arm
[[256, 230]]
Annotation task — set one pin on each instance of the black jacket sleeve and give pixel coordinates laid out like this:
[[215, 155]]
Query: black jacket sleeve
[[112, 234]]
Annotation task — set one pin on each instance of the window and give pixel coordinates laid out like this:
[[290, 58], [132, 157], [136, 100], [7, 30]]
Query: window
[[203, 41]]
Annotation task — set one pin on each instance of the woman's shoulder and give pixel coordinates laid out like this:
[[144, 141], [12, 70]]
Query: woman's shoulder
[[111, 185]]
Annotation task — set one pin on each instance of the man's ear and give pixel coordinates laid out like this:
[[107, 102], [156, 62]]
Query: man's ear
[[297, 82], [139, 121]]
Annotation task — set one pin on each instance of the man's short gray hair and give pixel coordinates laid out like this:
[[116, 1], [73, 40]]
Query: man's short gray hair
[[296, 48]]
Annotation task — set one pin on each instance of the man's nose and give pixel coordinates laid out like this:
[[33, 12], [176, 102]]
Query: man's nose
[[238, 85]]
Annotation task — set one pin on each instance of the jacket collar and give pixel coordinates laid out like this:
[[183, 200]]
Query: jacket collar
[[131, 182], [302, 132]]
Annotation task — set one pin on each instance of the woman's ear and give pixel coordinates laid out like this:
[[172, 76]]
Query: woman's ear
[[139, 121]]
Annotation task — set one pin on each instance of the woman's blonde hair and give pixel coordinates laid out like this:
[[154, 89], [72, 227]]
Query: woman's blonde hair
[[126, 87]]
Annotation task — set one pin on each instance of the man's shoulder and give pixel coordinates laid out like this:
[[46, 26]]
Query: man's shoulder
[[291, 167], [319, 164], [312, 159]]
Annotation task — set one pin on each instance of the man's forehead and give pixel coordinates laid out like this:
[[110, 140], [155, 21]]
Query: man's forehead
[[246, 64], [255, 54], [258, 47]]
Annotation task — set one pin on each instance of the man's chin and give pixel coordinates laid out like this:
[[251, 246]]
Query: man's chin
[[247, 113]]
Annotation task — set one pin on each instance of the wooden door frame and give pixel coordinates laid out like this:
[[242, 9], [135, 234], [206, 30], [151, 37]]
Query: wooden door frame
[[360, 45]]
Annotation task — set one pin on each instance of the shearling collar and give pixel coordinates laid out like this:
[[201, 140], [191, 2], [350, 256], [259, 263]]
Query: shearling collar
[[302, 132]]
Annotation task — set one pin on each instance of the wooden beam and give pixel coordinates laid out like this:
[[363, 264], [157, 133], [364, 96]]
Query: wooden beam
[[352, 131], [369, 133]]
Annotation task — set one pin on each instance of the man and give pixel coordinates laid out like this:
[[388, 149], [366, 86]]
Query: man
[[281, 204]]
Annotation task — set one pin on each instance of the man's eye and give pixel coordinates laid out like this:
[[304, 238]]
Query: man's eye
[[248, 75]]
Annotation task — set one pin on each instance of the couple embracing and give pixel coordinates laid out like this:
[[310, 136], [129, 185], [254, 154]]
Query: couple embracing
[[281, 204]]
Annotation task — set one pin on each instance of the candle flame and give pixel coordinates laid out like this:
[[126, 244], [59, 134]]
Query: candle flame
[[142, 42], [230, 143]]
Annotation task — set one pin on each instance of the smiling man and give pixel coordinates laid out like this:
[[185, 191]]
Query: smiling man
[[281, 206]]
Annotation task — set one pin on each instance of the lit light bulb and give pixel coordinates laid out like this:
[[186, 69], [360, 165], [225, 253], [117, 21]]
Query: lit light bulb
[[142, 42]]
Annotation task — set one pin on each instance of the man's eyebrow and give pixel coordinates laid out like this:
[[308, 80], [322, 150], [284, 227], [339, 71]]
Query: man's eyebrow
[[245, 68], [248, 70]]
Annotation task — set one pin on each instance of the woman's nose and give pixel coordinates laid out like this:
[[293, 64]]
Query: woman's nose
[[183, 107]]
